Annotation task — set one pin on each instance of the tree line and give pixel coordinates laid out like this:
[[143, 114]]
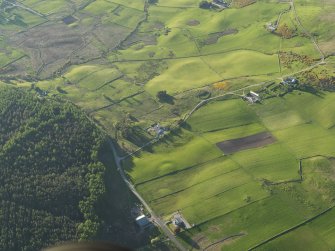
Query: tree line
[[51, 180]]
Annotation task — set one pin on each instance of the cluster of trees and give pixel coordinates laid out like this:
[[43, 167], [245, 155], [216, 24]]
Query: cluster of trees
[[164, 97], [128, 129], [51, 180], [285, 31], [289, 58], [152, 1], [205, 5], [327, 83]]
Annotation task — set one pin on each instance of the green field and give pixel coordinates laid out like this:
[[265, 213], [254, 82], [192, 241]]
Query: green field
[[187, 172], [179, 48]]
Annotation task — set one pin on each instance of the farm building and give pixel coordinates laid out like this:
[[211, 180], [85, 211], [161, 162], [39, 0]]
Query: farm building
[[220, 4], [157, 129], [41, 93], [252, 97], [289, 81], [142, 221], [177, 221], [271, 27]]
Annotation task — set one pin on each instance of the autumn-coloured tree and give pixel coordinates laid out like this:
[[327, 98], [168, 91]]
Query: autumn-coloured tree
[[285, 31], [222, 85]]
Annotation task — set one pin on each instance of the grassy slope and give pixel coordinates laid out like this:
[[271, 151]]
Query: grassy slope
[[166, 49], [239, 176]]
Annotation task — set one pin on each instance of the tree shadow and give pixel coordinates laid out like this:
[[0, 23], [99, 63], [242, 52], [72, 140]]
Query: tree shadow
[[183, 235], [311, 89], [167, 99]]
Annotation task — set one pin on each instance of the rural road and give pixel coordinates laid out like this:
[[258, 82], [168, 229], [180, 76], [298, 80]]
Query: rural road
[[156, 219], [306, 31], [205, 101]]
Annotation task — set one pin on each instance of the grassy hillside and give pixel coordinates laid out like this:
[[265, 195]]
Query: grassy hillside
[[255, 193], [117, 55]]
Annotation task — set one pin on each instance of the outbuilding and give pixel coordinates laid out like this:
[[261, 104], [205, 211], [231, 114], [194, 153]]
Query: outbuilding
[[220, 4], [252, 97], [142, 221]]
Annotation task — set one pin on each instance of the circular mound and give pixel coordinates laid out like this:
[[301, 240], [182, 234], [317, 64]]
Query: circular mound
[[193, 22]]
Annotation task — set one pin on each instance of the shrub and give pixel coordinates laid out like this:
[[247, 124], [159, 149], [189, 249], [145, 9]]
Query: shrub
[[205, 5]]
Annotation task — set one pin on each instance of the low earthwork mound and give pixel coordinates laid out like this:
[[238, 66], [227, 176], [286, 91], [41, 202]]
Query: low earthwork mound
[[253, 141]]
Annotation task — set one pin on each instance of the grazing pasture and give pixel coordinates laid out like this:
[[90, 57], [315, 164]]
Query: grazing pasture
[[210, 188], [318, 234]]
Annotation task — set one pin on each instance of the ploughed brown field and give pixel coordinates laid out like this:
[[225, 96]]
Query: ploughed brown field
[[253, 141]]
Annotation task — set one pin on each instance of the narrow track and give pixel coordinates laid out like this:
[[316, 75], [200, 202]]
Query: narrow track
[[158, 221]]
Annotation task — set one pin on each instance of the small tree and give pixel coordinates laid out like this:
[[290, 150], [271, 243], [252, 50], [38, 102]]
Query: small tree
[[162, 95], [205, 5], [176, 230], [285, 31]]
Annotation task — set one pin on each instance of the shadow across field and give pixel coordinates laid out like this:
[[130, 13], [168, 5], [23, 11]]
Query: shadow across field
[[188, 240]]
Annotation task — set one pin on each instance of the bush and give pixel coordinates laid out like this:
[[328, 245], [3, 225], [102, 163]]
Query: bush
[[205, 5], [163, 96], [285, 31]]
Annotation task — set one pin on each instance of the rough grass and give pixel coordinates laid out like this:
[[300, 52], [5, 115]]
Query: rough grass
[[99, 8], [221, 115], [243, 63], [274, 163], [187, 178], [138, 4], [300, 107], [215, 183], [51, 7], [249, 220], [221, 192], [316, 235], [99, 78], [233, 132], [174, 154], [177, 3], [297, 240], [181, 75], [307, 140]]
